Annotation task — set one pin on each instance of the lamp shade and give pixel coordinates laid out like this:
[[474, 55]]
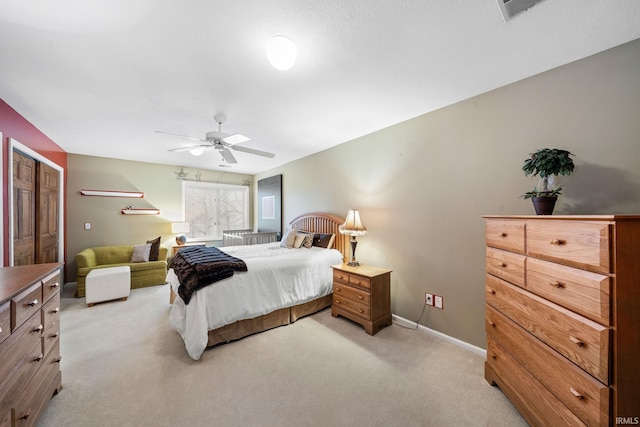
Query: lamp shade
[[281, 52], [353, 226], [179, 227]]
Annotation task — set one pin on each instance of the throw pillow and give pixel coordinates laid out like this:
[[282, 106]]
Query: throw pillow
[[297, 243], [289, 239], [323, 240], [140, 253], [308, 240], [155, 249]]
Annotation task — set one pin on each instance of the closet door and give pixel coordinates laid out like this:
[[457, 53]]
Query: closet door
[[48, 187], [24, 209]]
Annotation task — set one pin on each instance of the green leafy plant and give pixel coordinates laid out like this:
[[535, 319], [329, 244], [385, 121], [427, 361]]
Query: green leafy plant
[[547, 162]]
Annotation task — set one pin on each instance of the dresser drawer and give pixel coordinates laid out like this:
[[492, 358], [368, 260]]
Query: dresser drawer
[[20, 355], [581, 393], [50, 286], [581, 340], [5, 320], [534, 401], [51, 311], [359, 281], [579, 244], [347, 292], [506, 234], [340, 276], [506, 265], [50, 336], [25, 305], [581, 291]]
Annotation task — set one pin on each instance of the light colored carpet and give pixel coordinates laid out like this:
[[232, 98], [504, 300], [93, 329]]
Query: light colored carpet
[[122, 365]]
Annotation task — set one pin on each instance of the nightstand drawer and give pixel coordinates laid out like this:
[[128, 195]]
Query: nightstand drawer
[[581, 291], [355, 307], [347, 292], [506, 265], [579, 244], [340, 276], [579, 339], [506, 234], [577, 390], [359, 281]]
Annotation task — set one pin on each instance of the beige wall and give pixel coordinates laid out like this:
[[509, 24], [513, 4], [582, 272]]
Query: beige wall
[[423, 185], [109, 227]]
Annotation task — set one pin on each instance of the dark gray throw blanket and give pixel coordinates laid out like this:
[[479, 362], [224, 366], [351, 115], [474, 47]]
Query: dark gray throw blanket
[[199, 266]]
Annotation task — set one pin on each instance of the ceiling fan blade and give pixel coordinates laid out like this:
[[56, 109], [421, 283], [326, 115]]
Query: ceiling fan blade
[[227, 155], [252, 151], [236, 138], [181, 136], [190, 147]]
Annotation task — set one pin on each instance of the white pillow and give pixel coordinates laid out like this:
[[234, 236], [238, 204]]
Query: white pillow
[[289, 239], [140, 253]]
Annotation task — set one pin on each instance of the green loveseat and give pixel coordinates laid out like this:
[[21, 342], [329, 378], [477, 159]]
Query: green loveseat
[[143, 274]]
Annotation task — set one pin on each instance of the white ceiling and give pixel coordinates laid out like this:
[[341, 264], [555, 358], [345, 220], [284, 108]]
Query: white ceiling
[[99, 77]]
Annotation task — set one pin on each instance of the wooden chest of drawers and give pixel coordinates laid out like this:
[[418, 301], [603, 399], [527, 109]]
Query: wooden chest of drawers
[[362, 294], [29, 341], [563, 316]]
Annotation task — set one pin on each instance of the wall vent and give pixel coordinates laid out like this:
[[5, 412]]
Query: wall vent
[[511, 8]]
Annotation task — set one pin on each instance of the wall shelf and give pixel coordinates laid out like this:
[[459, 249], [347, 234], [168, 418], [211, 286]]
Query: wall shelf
[[108, 193], [140, 211]]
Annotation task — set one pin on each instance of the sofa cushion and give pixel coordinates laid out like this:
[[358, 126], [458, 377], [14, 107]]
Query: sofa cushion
[[140, 253], [155, 249]]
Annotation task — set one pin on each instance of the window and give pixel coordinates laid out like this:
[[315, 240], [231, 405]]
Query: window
[[210, 208]]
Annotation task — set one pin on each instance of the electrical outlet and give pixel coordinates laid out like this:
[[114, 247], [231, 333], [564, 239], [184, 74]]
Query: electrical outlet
[[438, 301], [428, 299]]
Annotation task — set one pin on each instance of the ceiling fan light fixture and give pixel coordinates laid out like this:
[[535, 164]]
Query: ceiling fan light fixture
[[281, 52], [236, 139], [197, 151]]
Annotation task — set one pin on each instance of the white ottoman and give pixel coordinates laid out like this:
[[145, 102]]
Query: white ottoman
[[105, 284]]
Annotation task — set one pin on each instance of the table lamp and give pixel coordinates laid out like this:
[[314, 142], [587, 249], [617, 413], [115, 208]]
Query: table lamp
[[353, 226], [180, 228]]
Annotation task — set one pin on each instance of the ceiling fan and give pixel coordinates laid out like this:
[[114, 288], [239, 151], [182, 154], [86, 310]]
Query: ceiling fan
[[220, 141]]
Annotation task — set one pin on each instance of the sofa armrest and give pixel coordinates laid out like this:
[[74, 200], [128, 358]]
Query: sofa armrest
[[86, 258]]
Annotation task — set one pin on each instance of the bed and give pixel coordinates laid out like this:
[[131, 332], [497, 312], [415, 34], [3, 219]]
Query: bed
[[281, 286]]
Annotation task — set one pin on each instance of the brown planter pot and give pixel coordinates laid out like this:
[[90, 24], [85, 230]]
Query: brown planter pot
[[544, 204]]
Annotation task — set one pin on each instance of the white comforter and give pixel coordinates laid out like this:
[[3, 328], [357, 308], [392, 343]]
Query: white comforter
[[276, 278]]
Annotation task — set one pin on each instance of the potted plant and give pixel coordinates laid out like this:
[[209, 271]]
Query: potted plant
[[548, 163]]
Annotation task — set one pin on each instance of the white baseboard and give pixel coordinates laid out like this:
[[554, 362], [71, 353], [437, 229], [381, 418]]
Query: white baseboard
[[470, 347]]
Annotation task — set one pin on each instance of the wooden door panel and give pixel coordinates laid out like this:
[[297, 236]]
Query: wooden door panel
[[24, 183], [47, 221]]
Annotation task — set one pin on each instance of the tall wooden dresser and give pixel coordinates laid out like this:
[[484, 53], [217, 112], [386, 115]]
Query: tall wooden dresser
[[29, 341], [563, 317]]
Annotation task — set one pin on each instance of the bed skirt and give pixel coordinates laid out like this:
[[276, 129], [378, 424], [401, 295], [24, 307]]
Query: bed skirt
[[281, 317]]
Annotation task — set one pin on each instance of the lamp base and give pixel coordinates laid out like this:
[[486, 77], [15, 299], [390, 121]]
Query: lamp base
[[354, 263]]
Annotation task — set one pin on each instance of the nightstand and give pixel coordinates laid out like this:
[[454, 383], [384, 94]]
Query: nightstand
[[362, 294], [176, 248]]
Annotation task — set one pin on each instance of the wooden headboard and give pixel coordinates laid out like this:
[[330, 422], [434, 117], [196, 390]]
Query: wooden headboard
[[326, 223]]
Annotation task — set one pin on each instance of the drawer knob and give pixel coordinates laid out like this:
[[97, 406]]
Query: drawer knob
[[491, 291], [338, 289], [337, 301], [502, 264], [558, 242], [25, 416], [55, 285], [361, 310], [360, 297], [39, 358], [576, 393], [38, 329], [503, 234], [57, 359], [491, 323], [557, 284], [54, 335], [55, 310], [33, 303], [576, 341]]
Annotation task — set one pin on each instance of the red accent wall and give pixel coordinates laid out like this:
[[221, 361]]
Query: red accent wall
[[13, 125]]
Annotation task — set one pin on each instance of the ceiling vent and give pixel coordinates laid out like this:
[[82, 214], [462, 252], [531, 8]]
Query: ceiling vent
[[511, 8]]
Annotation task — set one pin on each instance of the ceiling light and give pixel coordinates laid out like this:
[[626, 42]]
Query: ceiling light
[[197, 151], [281, 52]]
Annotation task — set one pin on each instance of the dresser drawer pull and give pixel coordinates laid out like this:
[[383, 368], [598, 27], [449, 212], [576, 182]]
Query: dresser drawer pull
[[360, 297], [339, 289], [558, 242], [57, 359], [557, 284], [491, 291], [55, 310], [38, 329], [39, 358], [491, 323], [356, 282], [361, 310], [25, 416], [54, 285], [576, 393], [33, 303], [502, 264], [337, 301], [576, 341], [53, 335], [503, 234]]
